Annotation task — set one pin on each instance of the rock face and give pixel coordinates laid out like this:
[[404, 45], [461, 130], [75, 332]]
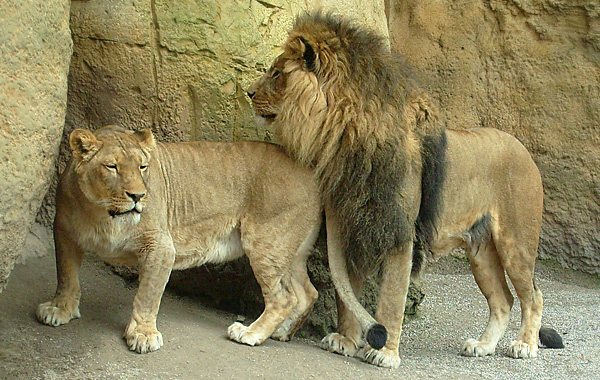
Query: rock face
[[530, 68], [35, 48]]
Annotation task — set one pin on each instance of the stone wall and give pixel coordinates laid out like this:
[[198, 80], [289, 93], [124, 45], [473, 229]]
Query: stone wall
[[530, 68], [35, 48]]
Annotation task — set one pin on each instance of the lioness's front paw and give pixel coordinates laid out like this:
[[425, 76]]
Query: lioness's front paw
[[382, 358], [475, 348], [521, 350], [242, 334], [339, 344], [143, 340], [53, 315]]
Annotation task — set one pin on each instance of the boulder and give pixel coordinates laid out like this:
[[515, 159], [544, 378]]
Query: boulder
[[35, 49]]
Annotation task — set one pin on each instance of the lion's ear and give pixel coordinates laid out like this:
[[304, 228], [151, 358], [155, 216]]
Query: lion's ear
[[309, 55], [146, 139], [83, 144]]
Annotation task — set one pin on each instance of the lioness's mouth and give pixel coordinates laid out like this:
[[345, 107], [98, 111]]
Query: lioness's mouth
[[114, 213]]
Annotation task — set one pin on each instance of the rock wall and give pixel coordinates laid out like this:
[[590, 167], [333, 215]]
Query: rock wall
[[35, 48], [531, 68]]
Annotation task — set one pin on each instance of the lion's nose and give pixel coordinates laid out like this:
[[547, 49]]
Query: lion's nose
[[135, 196], [250, 94]]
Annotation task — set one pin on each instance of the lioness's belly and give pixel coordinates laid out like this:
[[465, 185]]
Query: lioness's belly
[[195, 248]]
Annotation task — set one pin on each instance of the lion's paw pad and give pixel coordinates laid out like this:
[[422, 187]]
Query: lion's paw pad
[[144, 342], [53, 315], [521, 350], [242, 334], [382, 358], [476, 348], [339, 344]]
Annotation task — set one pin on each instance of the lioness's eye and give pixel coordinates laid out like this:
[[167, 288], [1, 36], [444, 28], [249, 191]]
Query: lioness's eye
[[275, 73], [143, 167], [111, 167]]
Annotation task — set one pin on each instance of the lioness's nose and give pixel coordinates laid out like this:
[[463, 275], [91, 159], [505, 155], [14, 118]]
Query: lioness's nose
[[250, 94], [135, 196]]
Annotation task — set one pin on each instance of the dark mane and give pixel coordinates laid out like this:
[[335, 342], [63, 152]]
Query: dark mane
[[377, 154], [433, 150], [370, 65]]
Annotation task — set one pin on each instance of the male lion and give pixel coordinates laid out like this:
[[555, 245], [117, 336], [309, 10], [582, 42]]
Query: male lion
[[176, 206], [388, 178]]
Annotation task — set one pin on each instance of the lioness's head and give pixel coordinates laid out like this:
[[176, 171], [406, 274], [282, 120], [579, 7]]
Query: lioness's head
[[111, 166]]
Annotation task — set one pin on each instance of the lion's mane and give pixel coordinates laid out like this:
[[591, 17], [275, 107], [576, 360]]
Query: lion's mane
[[353, 117]]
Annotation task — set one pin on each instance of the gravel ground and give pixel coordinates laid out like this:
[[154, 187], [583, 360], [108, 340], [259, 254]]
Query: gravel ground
[[196, 346]]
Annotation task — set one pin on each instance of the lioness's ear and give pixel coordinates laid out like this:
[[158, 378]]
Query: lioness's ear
[[83, 144], [146, 139], [309, 55]]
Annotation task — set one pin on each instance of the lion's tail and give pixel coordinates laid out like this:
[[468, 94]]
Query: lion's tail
[[550, 338], [375, 333]]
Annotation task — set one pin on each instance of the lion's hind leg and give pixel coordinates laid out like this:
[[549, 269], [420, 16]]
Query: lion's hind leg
[[521, 271], [517, 244], [489, 275]]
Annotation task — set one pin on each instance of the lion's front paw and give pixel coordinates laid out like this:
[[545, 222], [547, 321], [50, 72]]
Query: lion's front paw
[[242, 334], [521, 350], [339, 344], [52, 314], [382, 358], [475, 348], [143, 339]]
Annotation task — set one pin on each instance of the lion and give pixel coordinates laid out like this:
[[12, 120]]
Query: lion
[[165, 206], [395, 185]]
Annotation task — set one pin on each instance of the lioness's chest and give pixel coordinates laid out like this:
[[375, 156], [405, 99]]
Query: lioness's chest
[[116, 242]]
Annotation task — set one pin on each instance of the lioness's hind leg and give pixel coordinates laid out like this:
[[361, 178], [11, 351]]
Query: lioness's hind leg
[[489, 275], [306, 295], [273, 275]]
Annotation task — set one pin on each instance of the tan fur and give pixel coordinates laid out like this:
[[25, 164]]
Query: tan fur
[[193, 203], [324, 112]]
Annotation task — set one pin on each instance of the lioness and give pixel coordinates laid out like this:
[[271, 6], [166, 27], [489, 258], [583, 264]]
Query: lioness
[[180, 205], [395, 185]]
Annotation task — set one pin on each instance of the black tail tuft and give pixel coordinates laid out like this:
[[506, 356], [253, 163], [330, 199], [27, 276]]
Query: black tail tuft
[[377, 336], [550, 338]]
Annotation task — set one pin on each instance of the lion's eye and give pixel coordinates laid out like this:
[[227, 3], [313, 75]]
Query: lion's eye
[[143, 167], [275, 73], [112, 167]]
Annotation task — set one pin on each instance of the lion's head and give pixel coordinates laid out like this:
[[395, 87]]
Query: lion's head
[[337, 84], [111, 167]]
